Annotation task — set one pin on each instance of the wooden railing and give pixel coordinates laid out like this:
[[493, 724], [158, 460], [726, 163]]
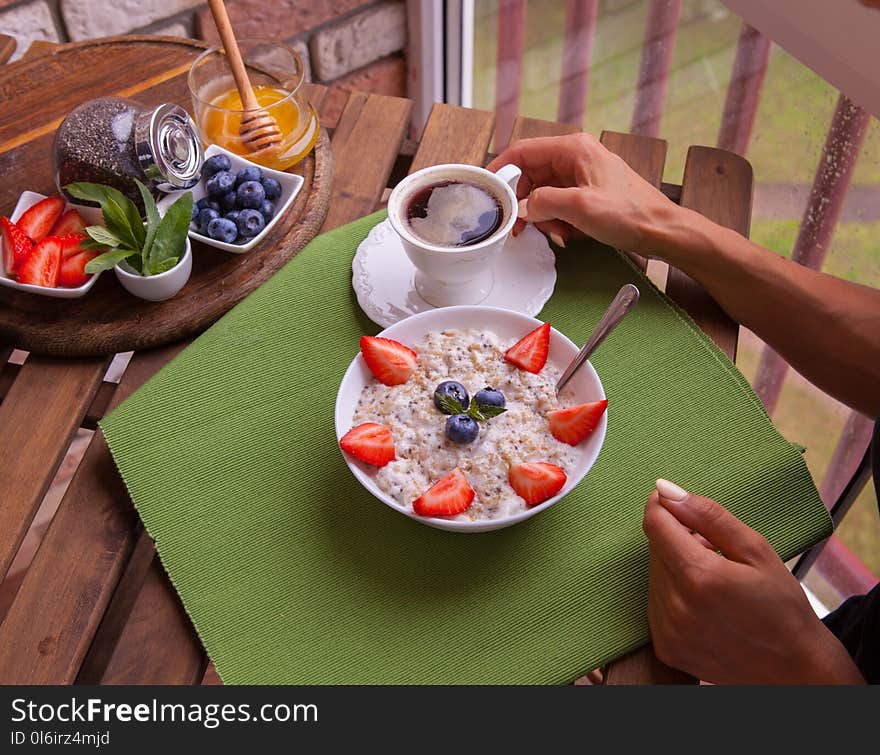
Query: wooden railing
[[833, 176]]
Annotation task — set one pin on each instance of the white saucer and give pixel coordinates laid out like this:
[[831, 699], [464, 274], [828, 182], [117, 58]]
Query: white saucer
[[383, 276]]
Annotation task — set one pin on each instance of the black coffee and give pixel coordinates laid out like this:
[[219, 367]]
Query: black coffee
[[453, 213]]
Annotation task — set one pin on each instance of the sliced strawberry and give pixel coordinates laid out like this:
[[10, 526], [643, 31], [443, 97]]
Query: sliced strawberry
[[530, 352], [40, 267], [16, 246], [536, 481], [391, 362], [575, 423], [69, 222], [71, 243], [369, 442], [73, 268], [447, 497], [39, 219]]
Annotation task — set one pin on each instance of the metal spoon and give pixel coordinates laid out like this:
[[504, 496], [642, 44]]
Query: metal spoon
[[622, 303]]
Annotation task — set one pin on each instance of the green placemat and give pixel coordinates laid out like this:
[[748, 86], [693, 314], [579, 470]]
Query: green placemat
[[292, 573]]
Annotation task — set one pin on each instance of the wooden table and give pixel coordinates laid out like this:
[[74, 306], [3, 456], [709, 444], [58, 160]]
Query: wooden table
[[95, 605]]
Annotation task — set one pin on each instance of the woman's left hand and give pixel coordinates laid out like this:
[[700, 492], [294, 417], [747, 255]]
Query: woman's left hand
[[723, 607]]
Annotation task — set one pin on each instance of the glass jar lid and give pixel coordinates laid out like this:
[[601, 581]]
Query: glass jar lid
[[168, 147]]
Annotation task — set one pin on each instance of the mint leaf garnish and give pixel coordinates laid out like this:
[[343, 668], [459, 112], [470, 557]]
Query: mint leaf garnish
[[486, 412], [478, 413], [450, 405], [152, 247]]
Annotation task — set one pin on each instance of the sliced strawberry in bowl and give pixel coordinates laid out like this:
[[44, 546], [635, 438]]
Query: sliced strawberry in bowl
[[71, 243], [576, 423], [37, 221], [391, 362], [16, 246], [74, 259], [41, 266], [536, 481], [369, 442], [69, 222], [449, 496], [530, 352]]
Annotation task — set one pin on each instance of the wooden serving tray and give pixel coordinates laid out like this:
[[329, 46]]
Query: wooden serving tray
[[108, 319]]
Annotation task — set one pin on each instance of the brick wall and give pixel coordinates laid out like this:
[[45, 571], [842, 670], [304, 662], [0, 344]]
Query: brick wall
[[350, 43]]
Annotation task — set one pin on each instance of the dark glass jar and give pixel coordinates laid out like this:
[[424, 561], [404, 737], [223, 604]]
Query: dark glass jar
[[114, 141]]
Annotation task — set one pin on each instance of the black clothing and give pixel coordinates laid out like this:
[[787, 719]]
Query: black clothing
[[857, 622]]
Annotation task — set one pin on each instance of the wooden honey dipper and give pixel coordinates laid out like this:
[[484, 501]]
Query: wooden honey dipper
[[258, 131]]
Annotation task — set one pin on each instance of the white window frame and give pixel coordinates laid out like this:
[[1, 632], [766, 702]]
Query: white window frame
[[440, 55]]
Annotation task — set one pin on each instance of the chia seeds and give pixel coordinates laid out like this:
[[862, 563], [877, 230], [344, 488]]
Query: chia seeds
[[114, 141], [96, 143]]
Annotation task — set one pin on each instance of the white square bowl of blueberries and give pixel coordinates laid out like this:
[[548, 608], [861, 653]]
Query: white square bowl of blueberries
[[236, 202]]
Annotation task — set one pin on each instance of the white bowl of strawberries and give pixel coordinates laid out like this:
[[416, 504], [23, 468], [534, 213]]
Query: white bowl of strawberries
[[476, 462], [41, 246]]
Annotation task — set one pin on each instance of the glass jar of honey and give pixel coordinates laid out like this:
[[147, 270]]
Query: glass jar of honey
[[276, 74], [113, 141]]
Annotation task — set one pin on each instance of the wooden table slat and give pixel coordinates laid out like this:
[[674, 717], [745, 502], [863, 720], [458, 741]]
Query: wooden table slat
[[531, 128], [39, 47], [454, 135], [118, 610], [157, 644], [646, 156], [38, 417], [7, 47], [717, 184], [79, 562], [365, 146], [316, 94]]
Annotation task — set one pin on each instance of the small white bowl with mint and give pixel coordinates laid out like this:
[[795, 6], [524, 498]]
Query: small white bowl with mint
[[152, 259], [236, 201]]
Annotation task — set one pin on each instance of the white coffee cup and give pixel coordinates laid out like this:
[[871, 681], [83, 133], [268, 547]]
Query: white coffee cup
[[447, 275]]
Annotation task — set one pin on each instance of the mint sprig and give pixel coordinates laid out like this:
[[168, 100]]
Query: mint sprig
[[150, 248], [478, 413]]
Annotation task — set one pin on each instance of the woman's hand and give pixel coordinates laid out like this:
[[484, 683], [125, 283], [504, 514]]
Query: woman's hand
[[572, 184], [723, 607]]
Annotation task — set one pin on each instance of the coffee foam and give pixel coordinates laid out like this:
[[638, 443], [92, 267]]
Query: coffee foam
[[454, 210]]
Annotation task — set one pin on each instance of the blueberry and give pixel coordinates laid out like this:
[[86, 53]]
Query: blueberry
[[195, 213], [253, 173], [251, 195], [222, 229], [489, 397], [228, 201], [271, 187], [205, 217], [214, 165], [454, 390], [267, 210], [462, 429], [220, 183], [232, 215], [250, 222], [205, 202]]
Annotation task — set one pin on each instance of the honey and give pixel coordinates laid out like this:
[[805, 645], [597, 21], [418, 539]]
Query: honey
[[297, 120]]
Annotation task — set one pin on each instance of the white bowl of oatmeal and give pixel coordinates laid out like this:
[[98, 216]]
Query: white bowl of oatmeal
[[467, 344]]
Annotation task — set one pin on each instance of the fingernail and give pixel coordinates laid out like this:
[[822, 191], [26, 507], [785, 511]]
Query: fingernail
[[670, 491], [557, 239], [522, 208]]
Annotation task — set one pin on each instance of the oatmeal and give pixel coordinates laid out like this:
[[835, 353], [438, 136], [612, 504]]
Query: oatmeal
[[424, 452]]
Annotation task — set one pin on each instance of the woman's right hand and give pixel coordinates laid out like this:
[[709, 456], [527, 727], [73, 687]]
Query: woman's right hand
[[573, 184]]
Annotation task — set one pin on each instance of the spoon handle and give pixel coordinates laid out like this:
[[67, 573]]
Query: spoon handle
[[622, 303], [233, 54]]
